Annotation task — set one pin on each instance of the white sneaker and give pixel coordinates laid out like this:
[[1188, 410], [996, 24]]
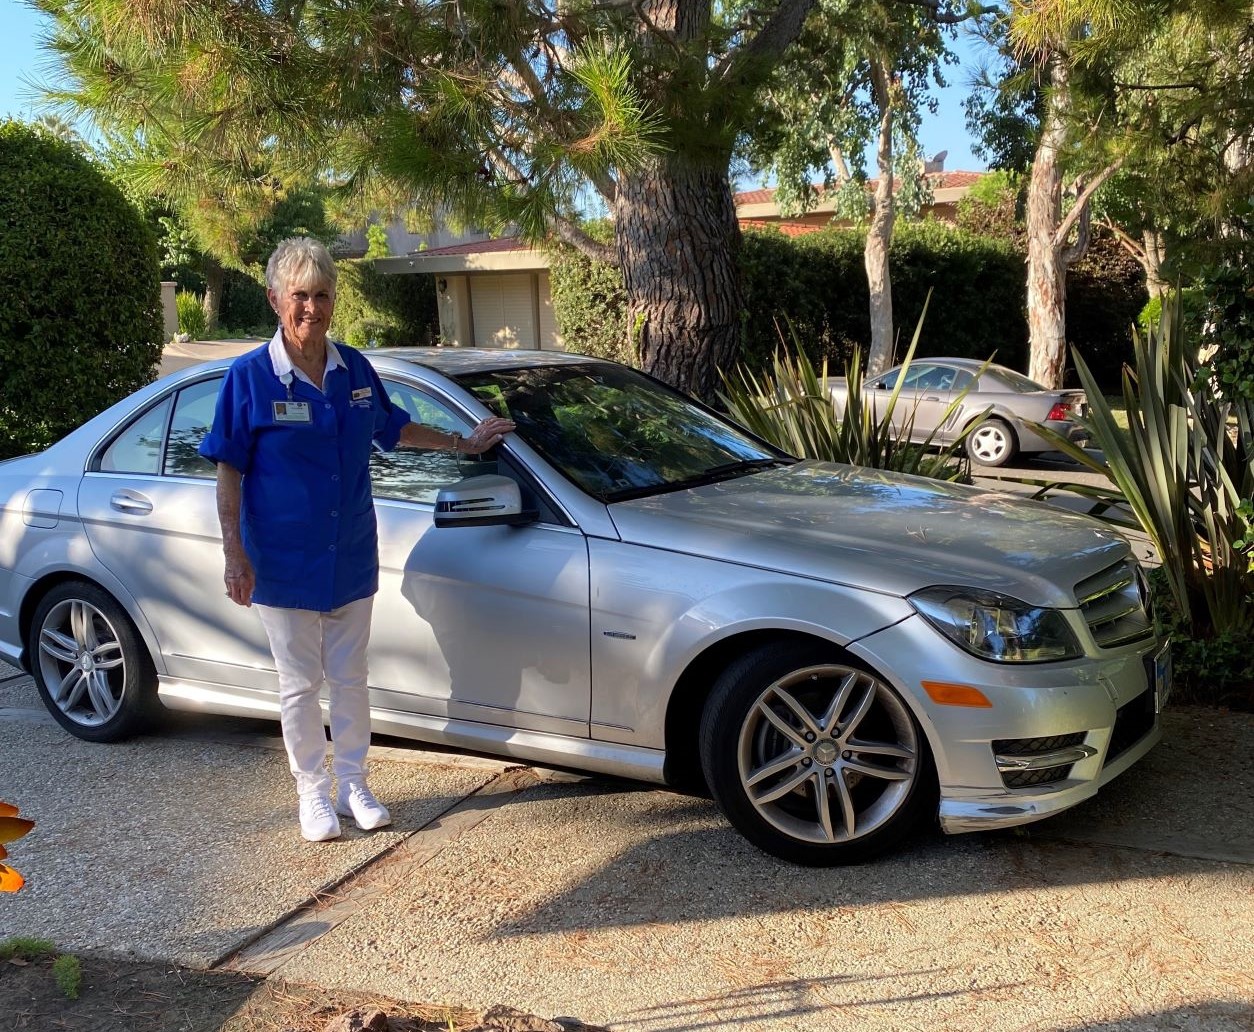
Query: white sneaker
[[318, 822], [355, 800]]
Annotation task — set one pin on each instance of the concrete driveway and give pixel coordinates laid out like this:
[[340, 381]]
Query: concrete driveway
[[639, 908]]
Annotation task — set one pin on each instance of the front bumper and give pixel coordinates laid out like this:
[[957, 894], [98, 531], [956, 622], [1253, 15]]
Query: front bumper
[[1093, 719]]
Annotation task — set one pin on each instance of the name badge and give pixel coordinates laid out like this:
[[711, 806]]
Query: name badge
[[362, 393], [292, 412]]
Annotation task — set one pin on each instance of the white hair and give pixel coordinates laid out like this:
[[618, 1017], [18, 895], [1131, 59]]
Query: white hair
[[300, 261]]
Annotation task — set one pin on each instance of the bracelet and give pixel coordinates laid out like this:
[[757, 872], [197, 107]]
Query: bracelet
[[455, 442]]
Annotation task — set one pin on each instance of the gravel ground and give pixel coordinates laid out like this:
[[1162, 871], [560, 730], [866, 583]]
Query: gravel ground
[[174, 849], [640, 909]]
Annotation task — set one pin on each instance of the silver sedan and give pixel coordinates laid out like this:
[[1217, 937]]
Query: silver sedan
[[940, 398], [630, 584]]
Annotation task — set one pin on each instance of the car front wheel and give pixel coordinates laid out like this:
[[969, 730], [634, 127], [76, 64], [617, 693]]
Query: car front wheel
[[90, 665], [813, 759]]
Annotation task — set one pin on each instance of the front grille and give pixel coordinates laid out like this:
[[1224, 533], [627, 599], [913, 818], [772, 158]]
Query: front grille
[[1028, 747], [1133, 721], [1115, 605]]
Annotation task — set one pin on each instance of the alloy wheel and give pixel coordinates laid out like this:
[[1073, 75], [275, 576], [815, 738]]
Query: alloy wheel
[[828, 754], [82, 662]]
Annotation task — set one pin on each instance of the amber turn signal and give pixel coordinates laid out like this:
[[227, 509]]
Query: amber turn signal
[[945, 694]]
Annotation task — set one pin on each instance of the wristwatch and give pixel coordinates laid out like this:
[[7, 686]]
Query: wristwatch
[[455, 441]]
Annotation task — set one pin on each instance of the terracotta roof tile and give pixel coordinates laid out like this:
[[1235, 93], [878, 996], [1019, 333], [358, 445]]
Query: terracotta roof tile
[[939, 181]]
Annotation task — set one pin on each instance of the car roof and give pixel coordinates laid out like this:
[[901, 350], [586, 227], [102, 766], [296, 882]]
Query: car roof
[[455, 362]]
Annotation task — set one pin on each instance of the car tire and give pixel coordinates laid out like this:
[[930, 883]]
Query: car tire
[[815, 759], [90, 665], [992, 443]]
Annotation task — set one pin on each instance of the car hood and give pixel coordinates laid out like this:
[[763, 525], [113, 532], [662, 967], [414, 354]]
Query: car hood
[[877, 530]]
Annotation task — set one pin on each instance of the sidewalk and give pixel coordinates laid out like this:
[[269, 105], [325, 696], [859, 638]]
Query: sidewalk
[[637, 908]]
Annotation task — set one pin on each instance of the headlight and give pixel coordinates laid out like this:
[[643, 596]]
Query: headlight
[[996, 627]]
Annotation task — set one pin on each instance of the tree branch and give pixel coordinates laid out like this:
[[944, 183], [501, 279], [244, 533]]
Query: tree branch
[[1128, 243], [780, 29], [933, 7], [569, 233], [1080, 209]]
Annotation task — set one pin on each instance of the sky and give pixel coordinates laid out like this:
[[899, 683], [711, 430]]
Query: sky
[[21, 61]]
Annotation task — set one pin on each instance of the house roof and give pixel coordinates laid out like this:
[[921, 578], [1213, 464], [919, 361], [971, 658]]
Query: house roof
[[939, 181], [505, 254]]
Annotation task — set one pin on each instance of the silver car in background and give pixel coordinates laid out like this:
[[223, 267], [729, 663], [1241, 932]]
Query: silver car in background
[[630, 584], [940, 398]]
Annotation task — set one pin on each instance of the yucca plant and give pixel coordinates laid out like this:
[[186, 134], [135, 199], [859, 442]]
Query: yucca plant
[[791, 407], [1185, 468]]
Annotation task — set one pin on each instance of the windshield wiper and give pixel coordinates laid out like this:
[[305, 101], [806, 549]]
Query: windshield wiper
[[713, 475]]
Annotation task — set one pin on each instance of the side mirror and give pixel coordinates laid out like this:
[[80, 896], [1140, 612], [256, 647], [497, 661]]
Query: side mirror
[[485, 501]]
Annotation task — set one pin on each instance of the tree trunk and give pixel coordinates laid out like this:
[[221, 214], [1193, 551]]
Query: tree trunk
[[1155, 255], [678, 242], [1047, 270], [879, 235], [215, 277]]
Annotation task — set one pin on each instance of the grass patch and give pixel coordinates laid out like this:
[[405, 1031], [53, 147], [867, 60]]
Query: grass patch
[[25, 947]]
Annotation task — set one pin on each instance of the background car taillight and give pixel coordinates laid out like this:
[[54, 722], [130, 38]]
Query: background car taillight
[[1063, 410]]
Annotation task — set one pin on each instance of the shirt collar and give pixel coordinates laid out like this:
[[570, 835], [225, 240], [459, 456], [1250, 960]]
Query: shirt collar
[[281, 361]]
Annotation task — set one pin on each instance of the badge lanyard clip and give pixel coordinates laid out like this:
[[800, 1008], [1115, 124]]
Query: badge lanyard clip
[[286, 380]]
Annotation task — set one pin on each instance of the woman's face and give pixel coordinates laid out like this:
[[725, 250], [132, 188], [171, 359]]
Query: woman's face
[[304, 311]]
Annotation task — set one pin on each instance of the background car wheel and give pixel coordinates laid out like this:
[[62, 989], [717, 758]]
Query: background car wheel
[[813, 759], [992, 443], [92, 670]]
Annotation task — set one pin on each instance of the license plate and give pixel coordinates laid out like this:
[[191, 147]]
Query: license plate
[[1160, 672]]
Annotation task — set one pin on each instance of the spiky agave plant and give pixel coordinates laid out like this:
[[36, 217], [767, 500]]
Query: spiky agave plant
[[790, 405], [1185, 467]]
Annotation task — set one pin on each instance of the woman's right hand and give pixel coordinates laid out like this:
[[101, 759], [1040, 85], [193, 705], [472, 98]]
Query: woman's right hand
[[239, 577]]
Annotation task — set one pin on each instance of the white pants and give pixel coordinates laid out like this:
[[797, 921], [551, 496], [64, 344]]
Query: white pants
[[310, 648]]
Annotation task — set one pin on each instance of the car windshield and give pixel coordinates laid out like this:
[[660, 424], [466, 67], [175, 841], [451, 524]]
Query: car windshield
[[616, 433], [1012, 381]]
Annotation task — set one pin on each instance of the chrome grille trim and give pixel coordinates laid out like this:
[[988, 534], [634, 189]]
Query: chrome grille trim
[[1114, 605]]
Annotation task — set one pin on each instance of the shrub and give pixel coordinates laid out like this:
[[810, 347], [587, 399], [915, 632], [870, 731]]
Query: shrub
[[191, 314], [590, 302], [80, 294], [244, 308], [377, 310], [68, 972]]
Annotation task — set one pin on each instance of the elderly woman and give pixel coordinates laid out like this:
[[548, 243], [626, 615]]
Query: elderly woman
[[292, 436]]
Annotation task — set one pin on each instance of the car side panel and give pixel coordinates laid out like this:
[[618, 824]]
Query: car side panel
[[654, 612]]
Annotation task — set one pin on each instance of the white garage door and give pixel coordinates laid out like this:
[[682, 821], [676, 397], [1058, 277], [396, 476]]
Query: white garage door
[[504, 310]]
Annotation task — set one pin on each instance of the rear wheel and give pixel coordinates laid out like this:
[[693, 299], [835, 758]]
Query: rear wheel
[[992, 443], [813, 759], [90, 665]]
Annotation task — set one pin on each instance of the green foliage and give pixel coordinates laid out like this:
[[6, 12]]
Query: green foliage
[[1191, 310], [818, 282], [376, 241], [1227, 297], [26, 947], [80, 302], [1213, 669], [1185, 467], [790, 405], [590, 302], [191, 314], [1105, 293], [245, 310], [373, 310], [68, 972]]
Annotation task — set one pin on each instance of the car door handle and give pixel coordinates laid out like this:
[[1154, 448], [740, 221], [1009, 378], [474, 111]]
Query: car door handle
[[128, 501], [931, 397]]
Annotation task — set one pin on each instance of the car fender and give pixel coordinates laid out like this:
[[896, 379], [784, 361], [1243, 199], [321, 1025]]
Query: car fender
[[654, 613], [67, 556]]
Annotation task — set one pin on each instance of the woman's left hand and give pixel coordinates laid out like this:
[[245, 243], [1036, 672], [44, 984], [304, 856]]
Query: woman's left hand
[[486, 435]]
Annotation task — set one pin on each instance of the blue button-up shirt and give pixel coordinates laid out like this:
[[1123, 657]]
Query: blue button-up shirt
[[306, 519]]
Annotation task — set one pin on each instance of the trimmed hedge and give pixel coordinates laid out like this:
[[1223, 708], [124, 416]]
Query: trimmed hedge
[[80, 292], [818, 283], [374, 310]]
